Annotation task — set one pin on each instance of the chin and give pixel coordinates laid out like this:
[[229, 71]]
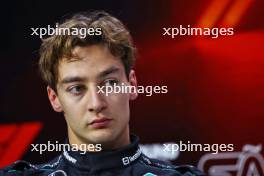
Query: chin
[[101, 136]]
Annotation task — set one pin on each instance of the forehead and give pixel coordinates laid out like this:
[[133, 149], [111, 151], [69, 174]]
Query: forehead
[[88, 61]]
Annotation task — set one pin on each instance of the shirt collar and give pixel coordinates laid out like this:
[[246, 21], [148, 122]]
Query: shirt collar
[[105, 159]]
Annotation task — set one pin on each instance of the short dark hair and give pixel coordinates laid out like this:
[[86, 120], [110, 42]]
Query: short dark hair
[[114, 35]]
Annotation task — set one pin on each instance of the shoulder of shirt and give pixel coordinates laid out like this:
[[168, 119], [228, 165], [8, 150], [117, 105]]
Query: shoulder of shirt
[[185, 170], [21, 167]]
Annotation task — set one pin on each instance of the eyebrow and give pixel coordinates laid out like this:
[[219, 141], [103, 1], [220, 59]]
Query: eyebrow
[[108, 71], [72, 79], [103, 74]]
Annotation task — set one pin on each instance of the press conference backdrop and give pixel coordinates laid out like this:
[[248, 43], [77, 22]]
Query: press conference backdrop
[[215, 85]]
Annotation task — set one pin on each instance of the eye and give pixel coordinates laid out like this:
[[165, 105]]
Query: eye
[[76, 90], [110, 82]]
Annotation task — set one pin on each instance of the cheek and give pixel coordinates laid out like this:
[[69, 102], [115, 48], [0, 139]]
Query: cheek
[[73, 116], [119, 104], [72, 109]]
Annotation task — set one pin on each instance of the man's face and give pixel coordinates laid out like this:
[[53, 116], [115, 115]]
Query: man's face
[[93, 117]]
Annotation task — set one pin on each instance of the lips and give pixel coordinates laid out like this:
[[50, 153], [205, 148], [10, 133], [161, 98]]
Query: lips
[[100, 123]]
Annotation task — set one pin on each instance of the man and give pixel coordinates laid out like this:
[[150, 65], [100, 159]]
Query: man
[[75, 67]]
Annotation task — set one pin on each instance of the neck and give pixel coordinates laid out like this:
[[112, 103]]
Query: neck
[[120, 141]]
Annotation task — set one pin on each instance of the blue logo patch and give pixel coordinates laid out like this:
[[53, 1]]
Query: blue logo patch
[[149, 174]]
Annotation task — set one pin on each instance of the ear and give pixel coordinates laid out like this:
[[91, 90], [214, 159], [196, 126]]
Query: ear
[[54, 100], [133, 82]]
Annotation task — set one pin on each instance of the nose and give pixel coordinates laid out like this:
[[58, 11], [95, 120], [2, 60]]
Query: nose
[[96, 101]]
